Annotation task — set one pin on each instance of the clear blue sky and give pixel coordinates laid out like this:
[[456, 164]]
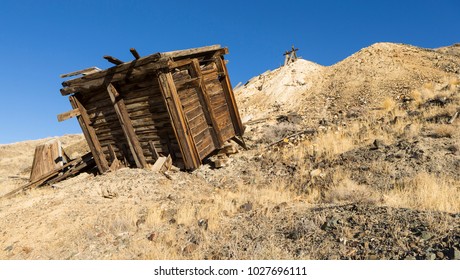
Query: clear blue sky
[[39, 40]]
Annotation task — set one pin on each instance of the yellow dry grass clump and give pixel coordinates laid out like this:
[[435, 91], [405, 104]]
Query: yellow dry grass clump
[[426, 192]]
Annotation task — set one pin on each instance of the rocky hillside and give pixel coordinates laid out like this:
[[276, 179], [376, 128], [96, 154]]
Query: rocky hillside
[[358, 160]]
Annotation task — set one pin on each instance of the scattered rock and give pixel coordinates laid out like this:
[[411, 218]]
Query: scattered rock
[[430, 256], [203, 223], [456, 254], [246, 207], [9, 248], [440, 255], [151, 236]]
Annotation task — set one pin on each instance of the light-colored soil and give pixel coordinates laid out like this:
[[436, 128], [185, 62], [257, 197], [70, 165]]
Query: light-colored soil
[[376, 175]]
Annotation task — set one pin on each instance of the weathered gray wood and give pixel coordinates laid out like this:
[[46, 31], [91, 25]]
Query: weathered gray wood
[[86, 71], [230, 97], [126, 125], [206, 105], [189, 52]]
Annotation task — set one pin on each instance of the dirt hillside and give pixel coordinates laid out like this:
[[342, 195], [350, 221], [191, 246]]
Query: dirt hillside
[[358, 160]]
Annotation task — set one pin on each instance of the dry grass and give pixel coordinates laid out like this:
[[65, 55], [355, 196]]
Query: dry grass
[[388, 104], [345, 190], [426, 192]]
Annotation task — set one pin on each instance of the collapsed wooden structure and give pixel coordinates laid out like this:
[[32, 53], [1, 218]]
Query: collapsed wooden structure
[[178, 104]]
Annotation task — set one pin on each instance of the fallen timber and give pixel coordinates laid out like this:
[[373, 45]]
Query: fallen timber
[[71, 168]]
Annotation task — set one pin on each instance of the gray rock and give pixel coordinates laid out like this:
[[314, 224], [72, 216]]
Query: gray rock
[[426, 235], [9, 248], [456, 254], [430, 256], [246, 207]]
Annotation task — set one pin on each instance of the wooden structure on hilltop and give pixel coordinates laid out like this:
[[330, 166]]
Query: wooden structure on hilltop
[[290, 56], [178, 104]]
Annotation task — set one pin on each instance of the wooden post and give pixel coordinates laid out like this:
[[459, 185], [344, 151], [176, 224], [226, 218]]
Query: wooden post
[[179, 121], [206, 105], [113, 60], [127, 127], [230, 97], [90, 135], [134, 53]]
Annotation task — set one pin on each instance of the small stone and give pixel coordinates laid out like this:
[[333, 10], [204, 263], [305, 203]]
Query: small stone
[[456, 254], [430, 256], [9, 248], [315, 173], [378, 144], [372, 257], [203, 223], [329, 224], [334, 257], [246, 207], [151, 236], [410, 258], [440, 255], [425, 235]]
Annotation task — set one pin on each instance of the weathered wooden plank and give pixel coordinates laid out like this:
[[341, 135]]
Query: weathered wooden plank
[[206, 105], [113, 60], [194, 51], [134, 53], [115, 74], [179, 122], [152, 62], [67, 115], [90, 135], [47, 157], [125, 122], [86, 71], [46, 177], [228, 91], [154, 150], [178, 64]]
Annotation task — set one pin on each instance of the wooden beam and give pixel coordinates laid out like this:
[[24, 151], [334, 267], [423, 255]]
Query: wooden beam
[[51, 174], [86, 71], [139, 67], [153, 58], [179, 63], [205, 102], [134, 53], [190, 52], [142, 66], [90, 135], [113, 60], [230, 97], [179, 122], [127, 127], [69, 114]]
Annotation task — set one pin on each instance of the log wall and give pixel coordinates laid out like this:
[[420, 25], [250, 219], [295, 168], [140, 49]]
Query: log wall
[[176, 103]]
